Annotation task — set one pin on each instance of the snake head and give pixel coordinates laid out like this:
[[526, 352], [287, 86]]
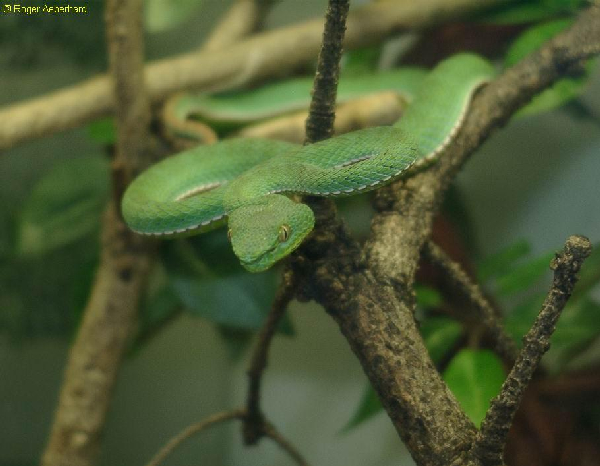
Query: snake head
[[267, 230]]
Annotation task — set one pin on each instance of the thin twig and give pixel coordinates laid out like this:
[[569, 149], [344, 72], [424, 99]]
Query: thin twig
[[274, 435], [321, 113], [254, 427], [491, 439], [504, 344], [264, 55], [269, 431], [378, 109], [192, 430]]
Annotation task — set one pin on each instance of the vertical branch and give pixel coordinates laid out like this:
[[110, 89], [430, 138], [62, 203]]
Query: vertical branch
[[319, 124], [110, 315]]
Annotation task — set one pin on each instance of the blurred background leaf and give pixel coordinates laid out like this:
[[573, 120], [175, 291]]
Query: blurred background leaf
[[475, 377], [209, 282], [529, 11], [162, 15], [562, 91], [63, 206]]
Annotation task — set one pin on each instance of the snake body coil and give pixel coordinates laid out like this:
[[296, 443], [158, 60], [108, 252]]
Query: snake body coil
[[248, 180]]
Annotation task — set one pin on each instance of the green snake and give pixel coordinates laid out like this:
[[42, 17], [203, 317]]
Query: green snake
[[248, 181], [233, 109]]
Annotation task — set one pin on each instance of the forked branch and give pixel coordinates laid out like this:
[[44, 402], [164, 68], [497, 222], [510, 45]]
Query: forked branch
[[491, 439]]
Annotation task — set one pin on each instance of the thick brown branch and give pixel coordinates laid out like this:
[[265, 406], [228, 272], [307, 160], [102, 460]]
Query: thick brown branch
[[110, 315], [504, 344], [272, 53], [370, 294], [490, 442]]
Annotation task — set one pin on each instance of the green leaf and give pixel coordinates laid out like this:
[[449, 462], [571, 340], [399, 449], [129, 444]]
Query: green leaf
[[524, 276], [440, 335], [361, 61], [518, 14], [64, 206], [162, 15], [475, 377], [103, 131], [427, 297], [578, 326], [529, 11], [532, 39], [589, 276], [520, 319], [44, 295], [208, 279], [561, 92], [502, 261], [240, 300]]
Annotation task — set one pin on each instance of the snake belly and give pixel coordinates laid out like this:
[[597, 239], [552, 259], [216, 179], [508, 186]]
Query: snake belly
[[252, 178]]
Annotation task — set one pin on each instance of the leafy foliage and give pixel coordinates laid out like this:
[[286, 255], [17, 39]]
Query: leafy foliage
[[64, 206], [578, 327], [30, 38], [209, 282], [561, 92], [475, 377], [529, 11], [103, 131], [162, 15]]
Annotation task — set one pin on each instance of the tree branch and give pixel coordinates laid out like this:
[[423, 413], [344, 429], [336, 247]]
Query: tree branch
[[319, 125], [504, 344], [269, 431], [264, 55], [242, 19], [321, 113], [192, 430], [491, 439], [369, 291], [254, 424], [110, 315]]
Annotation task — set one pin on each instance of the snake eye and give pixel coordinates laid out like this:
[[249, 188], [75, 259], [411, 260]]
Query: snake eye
[[284, 234], [229, 234]]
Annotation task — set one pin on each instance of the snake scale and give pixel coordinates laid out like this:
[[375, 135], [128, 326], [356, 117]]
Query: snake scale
[[248, 181]]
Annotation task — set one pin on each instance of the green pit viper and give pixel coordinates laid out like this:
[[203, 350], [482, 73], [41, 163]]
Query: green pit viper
[[248, 181], [191, 116]]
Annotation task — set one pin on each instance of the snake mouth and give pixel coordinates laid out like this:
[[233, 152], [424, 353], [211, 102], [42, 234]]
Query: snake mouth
[[258, 263], [254, 266]]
